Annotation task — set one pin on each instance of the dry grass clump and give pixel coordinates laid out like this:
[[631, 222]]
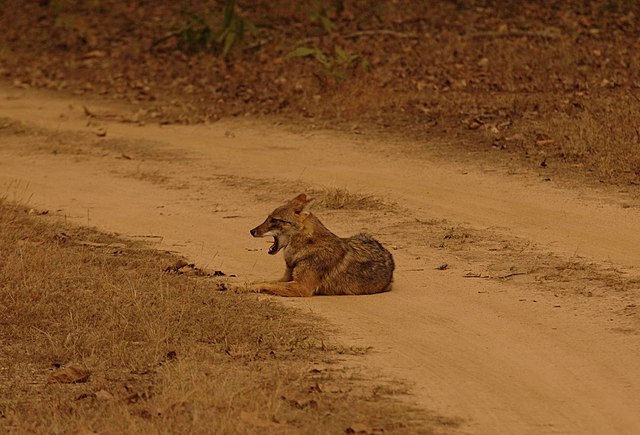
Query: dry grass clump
[[599, 137], [606, 137], [340, 198], [10, 127], [153, 176], [165, 352]]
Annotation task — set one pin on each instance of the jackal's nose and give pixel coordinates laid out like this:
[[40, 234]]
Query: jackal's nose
[[253, 232]]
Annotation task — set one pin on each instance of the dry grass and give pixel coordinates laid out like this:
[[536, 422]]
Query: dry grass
[[153, 176], [10, 127], [167, 353], [340, 198], [333, 198], [605, 138]]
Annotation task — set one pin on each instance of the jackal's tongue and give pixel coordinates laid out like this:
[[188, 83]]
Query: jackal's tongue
[[275, 247]]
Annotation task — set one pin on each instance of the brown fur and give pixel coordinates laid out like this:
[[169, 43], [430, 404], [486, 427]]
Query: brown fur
[[317, 261]]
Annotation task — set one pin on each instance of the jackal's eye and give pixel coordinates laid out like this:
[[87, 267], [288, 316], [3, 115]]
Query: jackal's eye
[[277, 221]]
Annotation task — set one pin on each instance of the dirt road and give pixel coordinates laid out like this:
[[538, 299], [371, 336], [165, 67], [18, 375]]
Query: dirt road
[[515, 302]]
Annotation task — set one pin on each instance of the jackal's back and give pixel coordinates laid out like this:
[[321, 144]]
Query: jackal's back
[[366, 268]]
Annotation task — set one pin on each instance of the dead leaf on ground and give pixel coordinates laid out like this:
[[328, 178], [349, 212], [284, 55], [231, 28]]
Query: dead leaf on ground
[[175, 267], [94, 54], [104, 396], [301, 403], [38, 212], [83, 431], [171, 355], [74, 373], [101, 395], [61, 237], [88, 112], [182, 267], [363, 429]]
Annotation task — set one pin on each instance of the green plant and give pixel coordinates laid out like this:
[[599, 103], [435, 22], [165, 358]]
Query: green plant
[[321, 14], [336, 66], [233, 27], [64, 13], [196, 34]]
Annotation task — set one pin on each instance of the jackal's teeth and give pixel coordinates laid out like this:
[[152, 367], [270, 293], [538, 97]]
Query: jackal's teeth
[[275, 247]]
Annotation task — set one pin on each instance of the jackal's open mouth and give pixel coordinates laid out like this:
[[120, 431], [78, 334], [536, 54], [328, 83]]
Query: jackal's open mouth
[[275, 247]]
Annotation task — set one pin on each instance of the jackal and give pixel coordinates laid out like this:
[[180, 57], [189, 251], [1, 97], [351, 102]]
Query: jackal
[[317, 261]]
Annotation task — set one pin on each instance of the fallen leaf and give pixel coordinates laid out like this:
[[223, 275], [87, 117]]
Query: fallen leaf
[[94, 54], [474, 125], [83, 431], [175, 267], [358, 428], [38, 212], [302, 404], [171, 355], [61, 237], [104, 396], [88, 112], [74, 373]]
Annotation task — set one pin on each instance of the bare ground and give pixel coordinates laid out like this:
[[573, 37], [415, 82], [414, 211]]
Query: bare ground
[[515, 301]]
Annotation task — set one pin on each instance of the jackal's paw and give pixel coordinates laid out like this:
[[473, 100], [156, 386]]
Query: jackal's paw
[[247, 287], [235, 287], [255, 287], [260, 287]]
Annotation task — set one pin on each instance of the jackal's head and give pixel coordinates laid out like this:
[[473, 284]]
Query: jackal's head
[[284, 222]]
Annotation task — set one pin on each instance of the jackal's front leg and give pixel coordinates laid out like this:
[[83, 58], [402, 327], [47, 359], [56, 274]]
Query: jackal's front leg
[[286, 289], [288, 276]]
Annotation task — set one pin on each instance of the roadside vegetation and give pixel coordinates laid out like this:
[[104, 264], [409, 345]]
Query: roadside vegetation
[[553, 86], [101, 335]]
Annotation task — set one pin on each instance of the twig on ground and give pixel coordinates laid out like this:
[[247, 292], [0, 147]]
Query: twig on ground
[[509, 275], [549, 33], [475, 275], [385, 32]]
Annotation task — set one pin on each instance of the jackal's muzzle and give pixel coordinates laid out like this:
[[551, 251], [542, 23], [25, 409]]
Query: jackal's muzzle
[[273, 249]]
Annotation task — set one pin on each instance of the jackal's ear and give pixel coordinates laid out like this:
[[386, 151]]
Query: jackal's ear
[[300, 198], [305, 211], [302, 204]]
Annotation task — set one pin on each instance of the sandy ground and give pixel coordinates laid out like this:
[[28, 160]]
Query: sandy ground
[[531, 328]]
